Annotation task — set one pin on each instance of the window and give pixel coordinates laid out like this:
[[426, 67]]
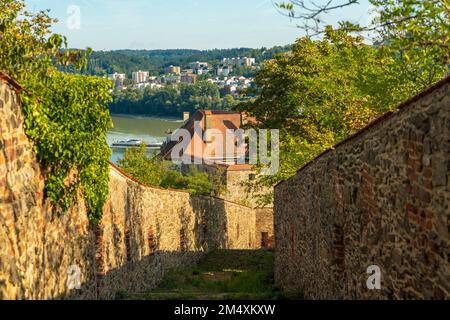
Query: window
[[183, 241], [339, 250], [151, 241], [265, 240], [128, 245]]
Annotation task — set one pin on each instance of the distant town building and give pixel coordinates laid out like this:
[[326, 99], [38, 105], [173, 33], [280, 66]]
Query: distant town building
[[224, 71], [171, 79], [155, 85], [189, 78], [201, 71], [185, 117], [174, 70], [117, 78], [199, 68], [140, 76], [198, 65], [142, 85], [228, 89], [234, 62], [239, 62], [247, 62]]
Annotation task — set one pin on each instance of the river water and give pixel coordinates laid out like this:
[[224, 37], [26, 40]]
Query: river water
[[148, 129]]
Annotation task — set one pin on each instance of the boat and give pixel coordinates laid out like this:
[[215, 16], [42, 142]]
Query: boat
[[128, 143], [135, 143]]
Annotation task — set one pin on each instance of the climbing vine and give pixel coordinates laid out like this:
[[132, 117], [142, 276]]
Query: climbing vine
[[69, 130], [65, 114]]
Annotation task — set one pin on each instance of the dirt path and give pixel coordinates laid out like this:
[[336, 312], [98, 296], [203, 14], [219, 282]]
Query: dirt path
[[223, 274]]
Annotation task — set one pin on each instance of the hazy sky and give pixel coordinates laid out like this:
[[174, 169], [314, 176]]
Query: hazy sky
[[164, 24]]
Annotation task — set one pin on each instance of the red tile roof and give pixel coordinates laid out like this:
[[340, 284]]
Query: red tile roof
[[219, 120]]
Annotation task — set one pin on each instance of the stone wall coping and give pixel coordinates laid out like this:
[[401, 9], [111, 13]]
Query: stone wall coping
[[407, 103], [230, 167], [10, 81], [128, 177]]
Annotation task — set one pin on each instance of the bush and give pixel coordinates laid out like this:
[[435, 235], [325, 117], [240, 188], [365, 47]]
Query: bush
[[154, 171], [138, 164]]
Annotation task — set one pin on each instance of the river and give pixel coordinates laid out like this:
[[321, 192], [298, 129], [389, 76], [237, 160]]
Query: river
[[148, 129]]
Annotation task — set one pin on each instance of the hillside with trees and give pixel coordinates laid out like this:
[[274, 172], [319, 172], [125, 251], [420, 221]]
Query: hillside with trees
[[171, 101], [155, 61]]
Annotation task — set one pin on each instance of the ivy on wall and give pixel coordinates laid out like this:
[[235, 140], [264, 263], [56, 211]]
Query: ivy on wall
[[69, 130]]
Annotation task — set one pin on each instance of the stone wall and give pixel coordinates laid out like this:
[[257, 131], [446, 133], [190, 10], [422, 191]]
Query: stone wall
[[36, 248], [147, 231], [143, 233], [264, 228], [380, 198], [235, 179]]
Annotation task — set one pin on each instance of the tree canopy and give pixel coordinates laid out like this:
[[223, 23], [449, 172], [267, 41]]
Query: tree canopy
[[330, 86]]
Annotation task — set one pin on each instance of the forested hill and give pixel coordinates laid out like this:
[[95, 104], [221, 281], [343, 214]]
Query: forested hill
[[127, 61]]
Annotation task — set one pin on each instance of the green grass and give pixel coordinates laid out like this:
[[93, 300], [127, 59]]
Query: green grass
[[223, 274]]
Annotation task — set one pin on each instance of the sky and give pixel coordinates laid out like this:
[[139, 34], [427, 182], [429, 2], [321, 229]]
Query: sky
[[171, 24]]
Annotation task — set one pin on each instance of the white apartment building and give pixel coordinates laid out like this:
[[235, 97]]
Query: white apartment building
[[198, 65], [117, 76], [140, 76], [118, 79], [247, 62], [201, 71], [231, 61], [171, 79], [224, 71], [239, 62]]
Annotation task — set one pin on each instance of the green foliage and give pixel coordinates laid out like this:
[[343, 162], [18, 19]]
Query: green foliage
[[327, 89], [418, 33], [69, 129], [65, 115], [137, 163], [310, 94], [121, 294], [195, 182], [170, 101], [153, 171], [322, 92]]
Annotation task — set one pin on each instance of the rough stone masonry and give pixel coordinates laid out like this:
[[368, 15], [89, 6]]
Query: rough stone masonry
[[380, 198]]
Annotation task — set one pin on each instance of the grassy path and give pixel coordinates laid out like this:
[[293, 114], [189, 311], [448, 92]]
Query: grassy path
[[223, 274]]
